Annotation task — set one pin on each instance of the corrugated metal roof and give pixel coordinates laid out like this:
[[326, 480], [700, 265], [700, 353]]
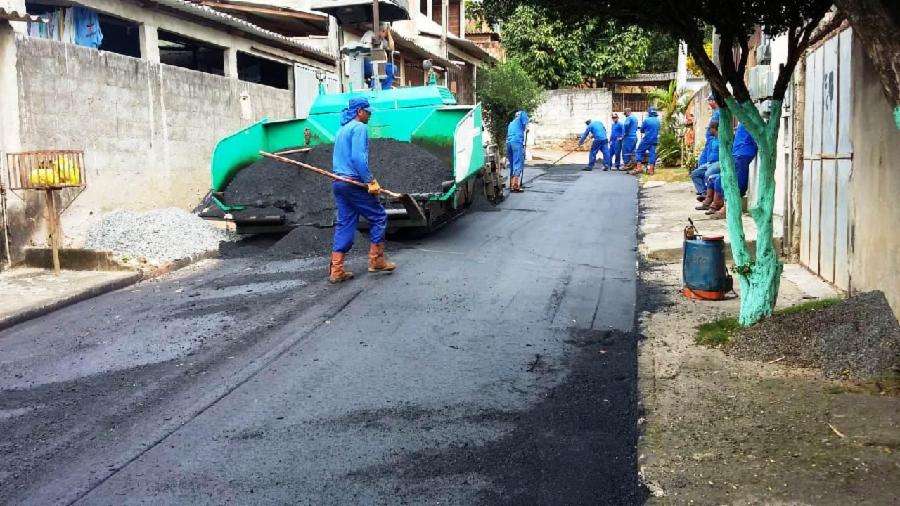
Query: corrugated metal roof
[[472, 48], [12, 15], [211, 14], [411, 44]]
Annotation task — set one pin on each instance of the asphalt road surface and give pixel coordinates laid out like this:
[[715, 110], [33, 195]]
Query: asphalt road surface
[[496, 366]]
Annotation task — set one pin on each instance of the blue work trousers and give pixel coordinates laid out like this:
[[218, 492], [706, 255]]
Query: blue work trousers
[[649, 148], [629, 142], [700, 176], [598, 146], [742, 167], [353, 201], [515, 153], [615, 153]]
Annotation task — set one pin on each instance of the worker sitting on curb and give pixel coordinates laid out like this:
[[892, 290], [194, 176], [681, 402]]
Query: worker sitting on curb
[[743, 151], [351, 160], [515, 150], [599, 145], [650, 129], [707, 166]]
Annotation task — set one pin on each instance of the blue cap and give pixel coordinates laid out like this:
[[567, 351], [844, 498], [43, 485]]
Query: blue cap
[[711, 97], [651, 109], [357, 103]]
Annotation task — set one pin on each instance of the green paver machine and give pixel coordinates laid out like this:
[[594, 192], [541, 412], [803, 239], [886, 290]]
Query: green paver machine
[[427, 116]]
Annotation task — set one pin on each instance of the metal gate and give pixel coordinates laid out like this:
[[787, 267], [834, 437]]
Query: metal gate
[[306, 87], [827, 161]]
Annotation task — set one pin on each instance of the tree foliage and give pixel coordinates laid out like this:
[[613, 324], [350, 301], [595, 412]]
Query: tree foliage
[[558, 53], [663, 53], [504, 89]]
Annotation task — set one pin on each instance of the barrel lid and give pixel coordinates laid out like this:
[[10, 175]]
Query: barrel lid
[[713, 238]]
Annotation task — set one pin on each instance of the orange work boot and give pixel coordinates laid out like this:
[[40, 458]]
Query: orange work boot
[[337, 274], [377, 262]]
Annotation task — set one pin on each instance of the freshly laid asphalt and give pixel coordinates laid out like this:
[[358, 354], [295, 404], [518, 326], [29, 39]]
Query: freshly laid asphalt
[[497, 365]]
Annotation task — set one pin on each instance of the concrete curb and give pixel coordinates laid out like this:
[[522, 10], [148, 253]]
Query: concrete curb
[[672, 255], [95, 291], [50, 307]]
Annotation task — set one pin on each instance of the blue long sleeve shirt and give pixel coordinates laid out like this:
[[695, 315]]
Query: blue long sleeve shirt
[[616, 130], [351, 152], [650, 128], [630, 126], [515, 132], [710, 152], [595, 129], [744, 145]]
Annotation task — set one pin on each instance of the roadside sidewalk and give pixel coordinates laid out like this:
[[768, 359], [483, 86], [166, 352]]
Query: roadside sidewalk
[[665, 212], [720, 430], [30, 292]]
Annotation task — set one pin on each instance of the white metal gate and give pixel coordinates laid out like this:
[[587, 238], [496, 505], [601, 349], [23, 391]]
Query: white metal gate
[[306, 87], [827, 161]]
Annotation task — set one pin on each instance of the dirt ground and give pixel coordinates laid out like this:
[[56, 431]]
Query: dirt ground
[[719, 430]]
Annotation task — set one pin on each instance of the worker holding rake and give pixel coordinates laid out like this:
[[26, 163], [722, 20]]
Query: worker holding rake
[[351, 160]]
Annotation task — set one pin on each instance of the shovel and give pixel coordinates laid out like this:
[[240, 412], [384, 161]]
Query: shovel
[[563, 156], [413, 209]]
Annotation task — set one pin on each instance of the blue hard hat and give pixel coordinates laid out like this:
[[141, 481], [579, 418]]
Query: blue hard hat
[[357, 103], [651, 109]]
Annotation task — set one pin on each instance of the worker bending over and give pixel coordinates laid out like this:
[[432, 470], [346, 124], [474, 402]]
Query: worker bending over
[[351, 160], [650, 131], [599, 145], [616, 132], [515, 150], [629, 138]]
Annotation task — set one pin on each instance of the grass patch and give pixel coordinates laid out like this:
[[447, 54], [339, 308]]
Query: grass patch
[[717, 332], [668, 175], [812, 305]]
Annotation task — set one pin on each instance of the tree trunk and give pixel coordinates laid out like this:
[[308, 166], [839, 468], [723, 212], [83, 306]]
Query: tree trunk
[[877, 24], [759, 279]]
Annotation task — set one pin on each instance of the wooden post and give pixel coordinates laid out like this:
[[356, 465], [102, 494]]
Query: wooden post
[[53, 226]]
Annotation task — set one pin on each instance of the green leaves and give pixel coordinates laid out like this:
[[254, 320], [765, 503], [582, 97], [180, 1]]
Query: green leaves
[[503, 90], [559, 54]]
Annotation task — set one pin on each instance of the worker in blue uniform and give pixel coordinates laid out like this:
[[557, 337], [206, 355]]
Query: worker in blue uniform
[[649, 140], [714, 106], [629, 137], [351, 160], [515, 150], [707, 166], [743, 151], [616, 132], [597, 131]]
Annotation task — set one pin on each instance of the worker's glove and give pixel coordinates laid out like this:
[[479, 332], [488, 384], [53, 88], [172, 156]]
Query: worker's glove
[[374, 188]]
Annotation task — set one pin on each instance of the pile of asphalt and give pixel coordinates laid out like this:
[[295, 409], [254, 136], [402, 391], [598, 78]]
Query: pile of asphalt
[[857, 338], [305, 197]]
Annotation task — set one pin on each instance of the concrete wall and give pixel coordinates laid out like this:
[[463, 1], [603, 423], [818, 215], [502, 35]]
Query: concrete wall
[[148, 130], [874, 186], [562, 114]]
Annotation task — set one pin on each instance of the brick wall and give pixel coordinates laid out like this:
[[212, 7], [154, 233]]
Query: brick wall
[[148, 130]]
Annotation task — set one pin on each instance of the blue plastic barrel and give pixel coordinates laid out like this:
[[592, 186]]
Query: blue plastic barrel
[[703, 265]]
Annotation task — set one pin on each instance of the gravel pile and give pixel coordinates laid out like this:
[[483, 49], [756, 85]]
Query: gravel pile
[[157, 236], [857, 338], [306, 197]]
